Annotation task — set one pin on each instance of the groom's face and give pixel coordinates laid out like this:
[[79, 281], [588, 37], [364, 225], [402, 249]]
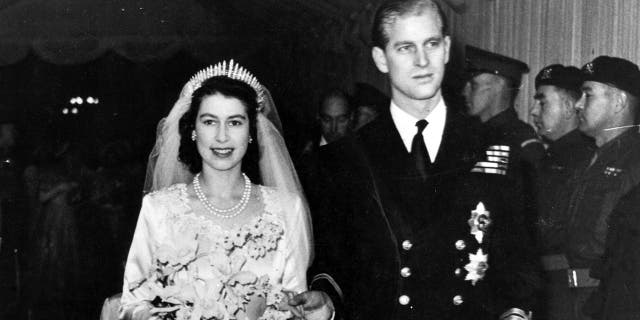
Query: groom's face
[[415, 55]]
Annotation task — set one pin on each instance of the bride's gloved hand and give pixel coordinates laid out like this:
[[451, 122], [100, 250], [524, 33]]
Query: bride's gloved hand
[[284, 305], [316, 305]]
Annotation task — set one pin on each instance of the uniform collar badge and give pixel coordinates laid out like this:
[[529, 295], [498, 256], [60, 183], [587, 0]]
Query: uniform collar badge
[[588, 68], [546, 74]]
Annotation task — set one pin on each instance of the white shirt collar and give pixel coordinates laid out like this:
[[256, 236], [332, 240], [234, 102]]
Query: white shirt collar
[[406, 125]]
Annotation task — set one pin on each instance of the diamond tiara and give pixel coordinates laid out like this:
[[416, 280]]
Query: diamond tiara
[[230, 70]]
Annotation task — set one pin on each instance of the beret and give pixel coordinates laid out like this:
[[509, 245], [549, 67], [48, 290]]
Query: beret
[[565, 77], [617, 72]]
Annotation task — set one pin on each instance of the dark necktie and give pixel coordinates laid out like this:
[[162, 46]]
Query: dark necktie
[[419, 150]]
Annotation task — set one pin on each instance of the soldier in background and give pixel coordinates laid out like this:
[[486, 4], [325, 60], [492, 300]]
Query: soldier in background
[[556, 120], [607, 111], [618, 296], [490, 92]]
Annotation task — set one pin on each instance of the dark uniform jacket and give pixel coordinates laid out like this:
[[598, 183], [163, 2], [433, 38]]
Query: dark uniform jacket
[[596, 189], [506, 128], [403, 248], [561, 160], [618, 297]]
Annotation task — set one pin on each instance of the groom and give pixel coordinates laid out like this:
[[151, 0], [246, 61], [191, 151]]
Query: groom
[[414, 220]]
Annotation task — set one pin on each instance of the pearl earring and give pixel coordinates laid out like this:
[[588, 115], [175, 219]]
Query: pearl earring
[[193, 135], [250, 139]]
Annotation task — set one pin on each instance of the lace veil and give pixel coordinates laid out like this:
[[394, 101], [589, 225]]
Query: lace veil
[[276, 167]]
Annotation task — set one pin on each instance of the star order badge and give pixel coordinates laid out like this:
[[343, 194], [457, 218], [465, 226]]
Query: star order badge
[[477, 266], [479, 222]]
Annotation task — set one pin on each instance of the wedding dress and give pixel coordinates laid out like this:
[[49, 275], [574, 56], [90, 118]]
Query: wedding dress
[[182, 265], [228, 272]]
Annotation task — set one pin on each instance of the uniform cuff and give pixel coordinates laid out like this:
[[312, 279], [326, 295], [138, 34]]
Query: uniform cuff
[[516, 313]]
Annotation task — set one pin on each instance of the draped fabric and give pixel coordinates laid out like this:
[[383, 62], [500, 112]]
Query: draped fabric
[[73, 32]]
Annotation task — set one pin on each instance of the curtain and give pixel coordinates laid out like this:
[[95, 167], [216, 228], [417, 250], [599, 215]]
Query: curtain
[[72, 32]]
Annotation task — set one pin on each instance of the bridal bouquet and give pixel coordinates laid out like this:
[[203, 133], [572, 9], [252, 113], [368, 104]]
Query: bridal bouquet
[[196, 278]]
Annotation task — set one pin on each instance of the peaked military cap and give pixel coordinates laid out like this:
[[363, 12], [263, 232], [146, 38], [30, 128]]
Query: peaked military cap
[[617, 72], [481, 61], [568, 78]]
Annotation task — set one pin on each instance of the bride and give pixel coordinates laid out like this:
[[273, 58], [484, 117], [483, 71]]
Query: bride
[[211, 243]]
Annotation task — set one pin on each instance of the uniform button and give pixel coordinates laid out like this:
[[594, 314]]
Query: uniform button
[[460, 245], [404, 300], [406, 245], [457, 300], [405, 272], [458, 272]]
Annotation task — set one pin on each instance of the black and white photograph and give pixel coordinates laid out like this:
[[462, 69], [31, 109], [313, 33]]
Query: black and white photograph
[[320, 159]]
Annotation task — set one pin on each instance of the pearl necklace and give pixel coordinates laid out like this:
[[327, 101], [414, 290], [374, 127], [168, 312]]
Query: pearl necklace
[[224, 213]]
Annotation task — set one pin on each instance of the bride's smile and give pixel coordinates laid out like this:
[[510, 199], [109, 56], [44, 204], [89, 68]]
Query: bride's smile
[[222, 132]]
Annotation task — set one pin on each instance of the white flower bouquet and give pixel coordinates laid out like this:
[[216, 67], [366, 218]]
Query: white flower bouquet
[[202, 279]]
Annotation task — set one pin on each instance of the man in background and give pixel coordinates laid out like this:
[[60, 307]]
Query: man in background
[[558, 88], [607, 112], [490, 92], [334, 121], [335, 116]]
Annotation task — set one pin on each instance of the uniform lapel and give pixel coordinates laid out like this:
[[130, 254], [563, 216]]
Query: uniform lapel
[[386, 150]]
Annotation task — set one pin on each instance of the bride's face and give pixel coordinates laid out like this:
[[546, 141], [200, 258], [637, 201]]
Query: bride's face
[[222, 132]]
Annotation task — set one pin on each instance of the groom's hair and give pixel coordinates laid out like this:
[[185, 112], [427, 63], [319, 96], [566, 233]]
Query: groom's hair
[[230, 88], [390, 11]]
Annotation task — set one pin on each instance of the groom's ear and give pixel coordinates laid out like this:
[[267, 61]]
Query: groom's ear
[[380, 59]]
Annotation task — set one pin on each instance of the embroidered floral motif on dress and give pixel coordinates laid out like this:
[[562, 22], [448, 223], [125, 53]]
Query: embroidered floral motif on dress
[[201, 274]]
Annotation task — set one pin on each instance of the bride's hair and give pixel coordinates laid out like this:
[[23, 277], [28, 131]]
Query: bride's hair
[[231, 88]]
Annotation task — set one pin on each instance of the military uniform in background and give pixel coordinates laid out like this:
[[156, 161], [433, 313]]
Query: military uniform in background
[[596, 189], [563, 157], [618, 297], [507, 129]]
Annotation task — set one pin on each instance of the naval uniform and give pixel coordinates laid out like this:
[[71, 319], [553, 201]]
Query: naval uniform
[[403, 247]]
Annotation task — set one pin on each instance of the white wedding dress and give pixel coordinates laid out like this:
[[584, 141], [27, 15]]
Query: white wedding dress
[[241, 272]]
